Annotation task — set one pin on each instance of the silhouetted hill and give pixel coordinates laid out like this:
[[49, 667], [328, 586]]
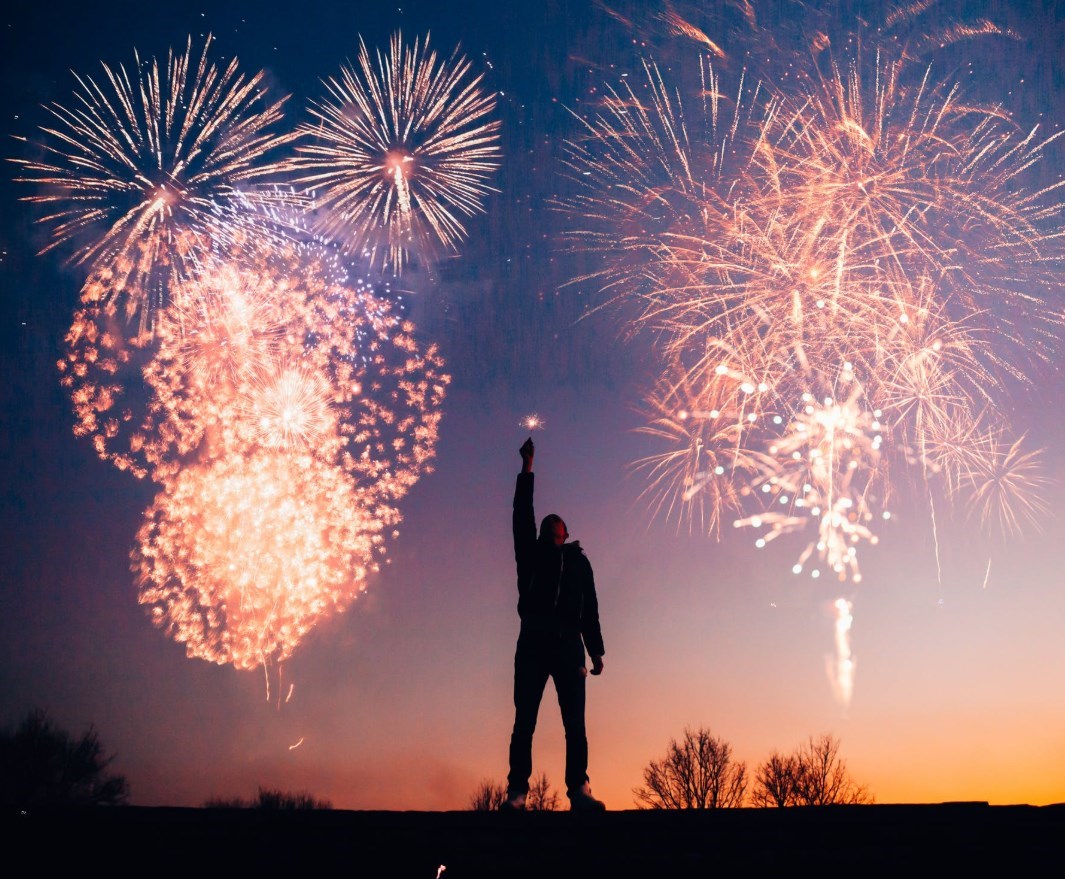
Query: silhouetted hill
[[835, 840]]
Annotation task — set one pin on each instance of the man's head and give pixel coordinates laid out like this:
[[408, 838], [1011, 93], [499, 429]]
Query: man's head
[[554, 530]]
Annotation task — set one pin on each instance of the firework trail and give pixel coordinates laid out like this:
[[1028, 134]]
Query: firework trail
[[839, 266], [841, 668], [399, 153], [136, 175]]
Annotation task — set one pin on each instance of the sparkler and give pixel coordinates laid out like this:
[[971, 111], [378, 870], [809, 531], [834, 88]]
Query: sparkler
[[400, 152], [136, 175]]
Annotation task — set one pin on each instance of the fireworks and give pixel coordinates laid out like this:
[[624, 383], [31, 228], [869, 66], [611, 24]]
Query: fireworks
[[260, 350], [400, 153], [137, 174], [239, 558], [283, 410], [284, 414], [841, 668], [840, 267]]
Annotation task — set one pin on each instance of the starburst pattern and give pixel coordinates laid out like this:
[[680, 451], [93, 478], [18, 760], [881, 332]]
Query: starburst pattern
[[400, 153], [137, 175], [840, 268]]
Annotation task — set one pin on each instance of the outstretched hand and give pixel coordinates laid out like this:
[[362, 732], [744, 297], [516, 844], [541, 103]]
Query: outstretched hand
[[527, 451]]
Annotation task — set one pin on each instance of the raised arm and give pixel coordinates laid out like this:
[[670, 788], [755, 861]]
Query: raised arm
[[524, 517]]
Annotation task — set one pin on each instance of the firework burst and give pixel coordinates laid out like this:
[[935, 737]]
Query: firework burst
[[840, 268], [399, 153], [239, 558], [136, 175], [261, 350]]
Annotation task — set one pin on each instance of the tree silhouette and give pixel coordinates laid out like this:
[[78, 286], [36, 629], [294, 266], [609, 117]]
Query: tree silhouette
[[774, 782], [821, 778], [488, 796], [813, 775], [697, 772], [42, 765]]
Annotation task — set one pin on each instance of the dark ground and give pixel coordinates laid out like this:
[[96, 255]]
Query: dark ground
[[949, 839]]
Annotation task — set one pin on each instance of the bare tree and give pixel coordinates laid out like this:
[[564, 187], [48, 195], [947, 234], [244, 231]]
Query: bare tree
[[488, 797], [541, 797], [813, 775], [774, 782], [821, 776], [697, 772], [41, 764]]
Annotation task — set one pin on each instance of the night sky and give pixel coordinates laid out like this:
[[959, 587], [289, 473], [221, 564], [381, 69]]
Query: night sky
[[404, 701]]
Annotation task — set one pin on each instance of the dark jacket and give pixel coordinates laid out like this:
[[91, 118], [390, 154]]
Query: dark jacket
[[556, 589]]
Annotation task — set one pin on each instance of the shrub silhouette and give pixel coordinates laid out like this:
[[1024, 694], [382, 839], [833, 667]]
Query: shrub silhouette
[[42, 765], [270, 799]]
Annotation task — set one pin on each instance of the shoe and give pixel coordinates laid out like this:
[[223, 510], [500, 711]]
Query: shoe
[[581, 800], [515, 802]]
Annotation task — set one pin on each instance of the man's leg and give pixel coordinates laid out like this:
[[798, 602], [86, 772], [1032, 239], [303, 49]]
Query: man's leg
[[531, 670], [568, 672]]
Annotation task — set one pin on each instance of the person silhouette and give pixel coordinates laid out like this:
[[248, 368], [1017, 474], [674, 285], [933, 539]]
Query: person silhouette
[[559, 615]]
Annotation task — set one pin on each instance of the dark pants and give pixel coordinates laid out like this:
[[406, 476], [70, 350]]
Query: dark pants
[[538, 657]]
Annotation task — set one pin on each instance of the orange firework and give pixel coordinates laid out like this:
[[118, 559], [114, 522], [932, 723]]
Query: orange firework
[[261, 351], [840, 266], [400, 153], [240, 558], [139, 175], [287, 415]]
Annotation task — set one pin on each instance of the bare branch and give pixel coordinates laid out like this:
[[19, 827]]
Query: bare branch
[[697, 773]]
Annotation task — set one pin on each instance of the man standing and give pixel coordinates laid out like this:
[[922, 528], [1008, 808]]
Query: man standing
[[559, 619]]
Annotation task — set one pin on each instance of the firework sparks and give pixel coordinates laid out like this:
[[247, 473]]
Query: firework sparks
[[290, 408], [239, 558], [839, 267], [137, 175], [1008, 486], [702, 416], [532, 421], [400, 152], [285, 414], [267, 351]]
